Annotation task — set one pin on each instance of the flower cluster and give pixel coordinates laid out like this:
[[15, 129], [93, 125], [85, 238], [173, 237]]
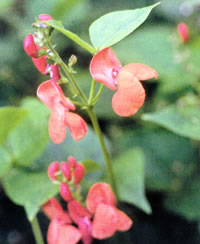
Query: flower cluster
[[130, 95], [100, 218], [183, 32], [50, 92]]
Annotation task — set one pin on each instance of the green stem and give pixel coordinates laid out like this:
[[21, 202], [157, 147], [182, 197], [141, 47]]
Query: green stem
[[98, 94], [68, 73], [36, 231], [92, 90], [103, 148]]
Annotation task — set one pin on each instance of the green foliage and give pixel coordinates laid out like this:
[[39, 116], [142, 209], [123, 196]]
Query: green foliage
[[29, 188], [30, 137], [113, 27], [129, 175], [5, 162], [10, 117], [183, 120]]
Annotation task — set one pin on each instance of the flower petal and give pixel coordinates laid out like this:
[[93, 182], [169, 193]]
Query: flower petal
[[50, 93], [100, 193], [141, 71], [30, 46], [124, 223], [57, 128], [77, 126], [130, 95], [104, 67], [41, 64], [105, 221], [85, 227], [77, 212], [62, 234], [53, 210]]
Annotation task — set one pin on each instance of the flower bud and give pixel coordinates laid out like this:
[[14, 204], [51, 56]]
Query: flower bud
[[72, 162], [52, 169], [65, 192], [45, 17], [41, 64], [72, 60], [66, 170], [78, 173], [54, 73], [183, 32], [30, 46]]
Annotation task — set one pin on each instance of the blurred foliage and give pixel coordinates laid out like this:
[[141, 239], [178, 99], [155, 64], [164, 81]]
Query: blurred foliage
[[157, 148]]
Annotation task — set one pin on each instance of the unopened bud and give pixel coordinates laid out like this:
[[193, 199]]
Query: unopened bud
[[183, 32], [65, 192], [54, 73], [45, 17], [72, 60], [72, 162], [66, 170], [41, 64], [30, 46], [78, 173], [52, 170]]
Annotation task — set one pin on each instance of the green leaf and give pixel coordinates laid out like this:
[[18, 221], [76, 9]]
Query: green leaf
[[28, 140], [187, 201], [91, 165], [183, 120], [29, 188], [129, 175], [113, 27], [10, 117], [5, 162], [166, 166]]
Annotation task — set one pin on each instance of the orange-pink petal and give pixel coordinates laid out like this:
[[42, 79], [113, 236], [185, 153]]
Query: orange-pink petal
[[105, 221], [130, 95], [100, 193], [53, 210], [77, 126], [62, 234], [104, 67], [57, 128], [41, 64], [124, 223], [50, 93], [85, 227], [140, 71]]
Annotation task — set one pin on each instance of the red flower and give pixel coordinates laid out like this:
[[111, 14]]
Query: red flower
[[41, 64], [53, 97], [130, 95], [107, 218], [60, 230], [45, 17], [183, 32], [30, 46]]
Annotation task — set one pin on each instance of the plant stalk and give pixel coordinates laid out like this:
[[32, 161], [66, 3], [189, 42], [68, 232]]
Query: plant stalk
[[37, 231]]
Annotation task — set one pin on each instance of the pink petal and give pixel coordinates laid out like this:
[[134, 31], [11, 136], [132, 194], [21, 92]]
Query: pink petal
[[53, 169], [100, 193], [41, 64], [30, 46], [78, 173], [130, 95], [183, 32], [65, 168], [65, 192], [50, 93], [45, 17], [62, 234], [140, 71], [53, 210], [77, 212], [85, 227], [104, 67], [105, 221], [124, 223], [57, 128], [55, 73], [77, 126]]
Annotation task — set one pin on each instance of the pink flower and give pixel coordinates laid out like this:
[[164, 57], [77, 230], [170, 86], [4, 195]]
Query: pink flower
[[41, 64], [183, 32], [60, 230], [130, 95], [45, 17], [30, 46], [107, 218], [53, 97], [52, 170]]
